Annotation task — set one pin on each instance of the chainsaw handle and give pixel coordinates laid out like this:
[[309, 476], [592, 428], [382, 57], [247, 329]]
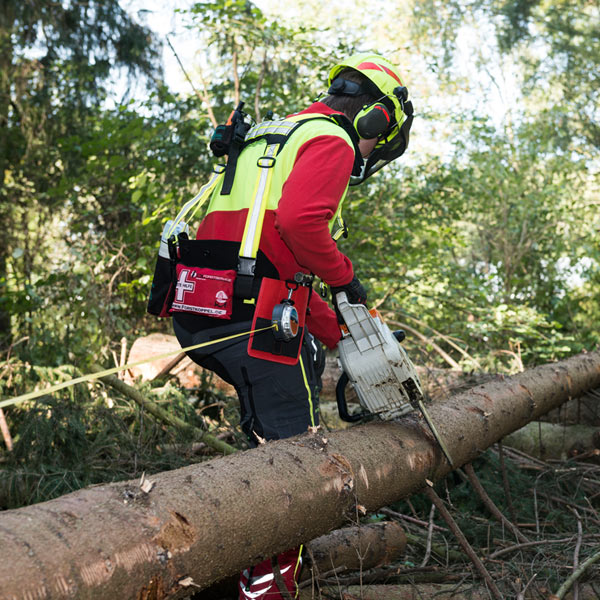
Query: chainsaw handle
[[340, 396]]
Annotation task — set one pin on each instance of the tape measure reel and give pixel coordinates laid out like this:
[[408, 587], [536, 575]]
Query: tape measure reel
[[286, 323], [285, 318]]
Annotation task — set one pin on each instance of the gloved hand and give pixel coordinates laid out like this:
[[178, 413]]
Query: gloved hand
[[355, 293]]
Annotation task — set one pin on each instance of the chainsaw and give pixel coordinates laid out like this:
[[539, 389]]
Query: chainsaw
[[377, 366]]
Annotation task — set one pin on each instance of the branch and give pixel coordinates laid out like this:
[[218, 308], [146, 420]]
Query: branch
[[566, 586], [429, 536], [283, 590], [462, 540], [162, 415], [448, 340], [489, 503], [236, 78], [428, 340]]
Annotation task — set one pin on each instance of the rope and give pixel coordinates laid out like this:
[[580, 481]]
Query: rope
[[99, 374]]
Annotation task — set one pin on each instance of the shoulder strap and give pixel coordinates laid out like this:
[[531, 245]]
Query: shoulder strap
[[279, 132]]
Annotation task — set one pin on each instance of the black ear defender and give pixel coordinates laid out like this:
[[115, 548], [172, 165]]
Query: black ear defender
[[372, 120]]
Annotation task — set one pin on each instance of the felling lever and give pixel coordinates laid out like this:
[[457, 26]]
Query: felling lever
[[379, 369]]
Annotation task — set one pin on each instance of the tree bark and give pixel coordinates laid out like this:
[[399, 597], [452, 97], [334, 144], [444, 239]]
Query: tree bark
[[203, 522]]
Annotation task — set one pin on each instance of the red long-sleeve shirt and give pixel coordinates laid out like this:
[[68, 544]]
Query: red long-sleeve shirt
[[296, 236]]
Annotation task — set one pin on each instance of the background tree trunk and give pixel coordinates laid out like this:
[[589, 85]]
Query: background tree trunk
[[210, 520]]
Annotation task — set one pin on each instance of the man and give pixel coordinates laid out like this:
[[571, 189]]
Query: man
[[282, 196]]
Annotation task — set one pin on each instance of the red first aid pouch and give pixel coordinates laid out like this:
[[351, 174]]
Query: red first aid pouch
[[204, 291]]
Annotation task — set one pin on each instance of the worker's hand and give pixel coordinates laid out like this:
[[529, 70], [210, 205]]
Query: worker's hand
[[355, 292]]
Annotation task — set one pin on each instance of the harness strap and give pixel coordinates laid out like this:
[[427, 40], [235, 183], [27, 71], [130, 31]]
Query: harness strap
[[198, 200]]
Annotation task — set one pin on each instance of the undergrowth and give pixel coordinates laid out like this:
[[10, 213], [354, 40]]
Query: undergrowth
[[90, 434]]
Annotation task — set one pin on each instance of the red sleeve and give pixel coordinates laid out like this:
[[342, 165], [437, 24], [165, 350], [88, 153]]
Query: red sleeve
[[309, 199], [322, 322]]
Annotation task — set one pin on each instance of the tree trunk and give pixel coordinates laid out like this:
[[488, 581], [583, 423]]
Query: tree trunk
[[552, 440], [343, 550], [400, 592], [201, 523]]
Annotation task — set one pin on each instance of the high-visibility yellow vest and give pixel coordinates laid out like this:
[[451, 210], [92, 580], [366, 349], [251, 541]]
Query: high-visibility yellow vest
[[263, 167]]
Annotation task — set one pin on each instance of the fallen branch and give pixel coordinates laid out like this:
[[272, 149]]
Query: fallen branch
[[392, 513], [489, 503], [566, 586], [462, 540], [164, 416]]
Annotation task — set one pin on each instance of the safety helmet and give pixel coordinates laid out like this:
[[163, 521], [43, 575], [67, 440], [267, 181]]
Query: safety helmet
[[389, 115]]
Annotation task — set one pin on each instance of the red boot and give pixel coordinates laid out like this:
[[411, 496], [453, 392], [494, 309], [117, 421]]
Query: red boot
[[258, 582]]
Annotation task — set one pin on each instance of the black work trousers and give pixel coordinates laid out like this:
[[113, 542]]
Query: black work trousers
[[276, 400]]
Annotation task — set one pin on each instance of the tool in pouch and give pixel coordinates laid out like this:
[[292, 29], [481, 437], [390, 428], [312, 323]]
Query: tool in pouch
[[378, 368], [282, 304]]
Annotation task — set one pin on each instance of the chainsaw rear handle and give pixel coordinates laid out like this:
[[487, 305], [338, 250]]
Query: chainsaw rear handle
[[340, 396]]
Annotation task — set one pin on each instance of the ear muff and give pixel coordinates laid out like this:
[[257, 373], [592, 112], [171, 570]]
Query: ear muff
[[372, 120]]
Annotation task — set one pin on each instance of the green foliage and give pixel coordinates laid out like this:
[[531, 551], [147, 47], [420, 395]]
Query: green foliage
[[87, 434]]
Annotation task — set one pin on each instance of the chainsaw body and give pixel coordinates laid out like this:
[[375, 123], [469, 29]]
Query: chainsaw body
[[376, 365]]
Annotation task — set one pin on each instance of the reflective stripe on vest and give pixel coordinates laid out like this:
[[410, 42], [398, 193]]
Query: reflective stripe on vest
[[256, 213]]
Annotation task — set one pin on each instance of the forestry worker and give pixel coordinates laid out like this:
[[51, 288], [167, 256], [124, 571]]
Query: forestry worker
[[273, 217]]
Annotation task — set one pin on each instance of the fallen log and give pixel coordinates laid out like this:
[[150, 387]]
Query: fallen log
[[198, 524], [552, 440], [336, 553], [400, 592]]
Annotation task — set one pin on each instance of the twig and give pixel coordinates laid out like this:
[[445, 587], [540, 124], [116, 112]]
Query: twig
[[522, 455], [279, 582], [392, 513], [509, 549], [576, 553], [163, 415], [236, 76], [521, 594], [489, 503], [5, 431], [202, 97], [505, 484], [536, 512], [462, 540], [566, 586], [318, 576], [429, 536]]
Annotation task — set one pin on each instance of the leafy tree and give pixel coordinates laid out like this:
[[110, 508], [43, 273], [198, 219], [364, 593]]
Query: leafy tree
[[55, 62]]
